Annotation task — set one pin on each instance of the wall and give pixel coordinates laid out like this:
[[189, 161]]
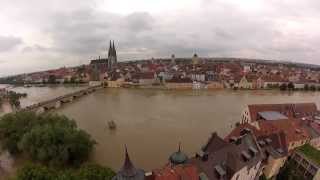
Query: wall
[[247, 174], [245, 117], [214, 85], [115, 84], [317, 176], [94, 83], [273, 166], [179, 85], [296, 144], [315, 142]]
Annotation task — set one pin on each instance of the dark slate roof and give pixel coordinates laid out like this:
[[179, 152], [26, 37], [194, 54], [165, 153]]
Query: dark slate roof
[[272, 115], [99, 61], [228, 156], [128, 171], [214, 143]]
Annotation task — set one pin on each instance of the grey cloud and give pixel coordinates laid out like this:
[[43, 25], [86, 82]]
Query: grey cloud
[[36, 47], [211, 31], [9, 42], [138, 22], [88, 32], [79, 30]]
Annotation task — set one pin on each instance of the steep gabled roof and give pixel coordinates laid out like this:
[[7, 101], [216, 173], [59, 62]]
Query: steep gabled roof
[[225, 159], [128, 171], [214, 143]]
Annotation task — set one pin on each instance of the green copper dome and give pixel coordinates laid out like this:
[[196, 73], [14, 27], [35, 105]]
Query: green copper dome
[[178, 157]]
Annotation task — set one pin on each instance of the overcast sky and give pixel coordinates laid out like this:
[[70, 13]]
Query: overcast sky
[[43, 34]]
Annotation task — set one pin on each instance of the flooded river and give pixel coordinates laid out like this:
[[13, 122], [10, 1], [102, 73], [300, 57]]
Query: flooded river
[[152, 122]]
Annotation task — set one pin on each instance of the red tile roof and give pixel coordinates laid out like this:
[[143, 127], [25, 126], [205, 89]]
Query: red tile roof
[[290, 128], [178, 172], [290, 110], [277, 136]]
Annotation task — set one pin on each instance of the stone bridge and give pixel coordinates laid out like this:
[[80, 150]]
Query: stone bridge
[[58, 101]]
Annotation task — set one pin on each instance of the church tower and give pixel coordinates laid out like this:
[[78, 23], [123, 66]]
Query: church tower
[[112, 56], [128, 171]]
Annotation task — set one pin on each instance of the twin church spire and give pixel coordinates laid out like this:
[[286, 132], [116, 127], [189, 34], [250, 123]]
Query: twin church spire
[[112, 55], [112, 50]]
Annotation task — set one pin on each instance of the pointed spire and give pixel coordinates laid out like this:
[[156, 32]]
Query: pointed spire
[[128, 169], [114, 50], [110, 49]]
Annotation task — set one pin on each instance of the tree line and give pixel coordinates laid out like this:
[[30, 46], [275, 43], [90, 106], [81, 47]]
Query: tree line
[[291, 87], [13, 98], [56, 147]]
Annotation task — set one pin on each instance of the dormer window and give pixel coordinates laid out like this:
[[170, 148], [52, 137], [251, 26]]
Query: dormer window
[[245, 156]]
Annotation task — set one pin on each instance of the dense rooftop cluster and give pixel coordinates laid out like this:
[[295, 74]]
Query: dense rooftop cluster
[[207, 72]]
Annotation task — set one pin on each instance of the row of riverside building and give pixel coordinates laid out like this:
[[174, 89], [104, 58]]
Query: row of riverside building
[[192, 72], [268, 136]]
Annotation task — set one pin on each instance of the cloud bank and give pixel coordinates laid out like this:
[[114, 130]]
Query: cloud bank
[[47, 34]]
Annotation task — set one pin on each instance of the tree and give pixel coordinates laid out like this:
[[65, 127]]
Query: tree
[[35, 172], [291, 86], [73, 79], [14, 98], [288, 172], [283, 87], [86, 172], [66, 80], [52, 79], [313, 88], [95, 172], [57, 142], [12, 128], [52, 139]]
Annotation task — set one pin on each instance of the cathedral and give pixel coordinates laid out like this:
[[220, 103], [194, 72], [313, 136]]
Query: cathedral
[[106, 64]]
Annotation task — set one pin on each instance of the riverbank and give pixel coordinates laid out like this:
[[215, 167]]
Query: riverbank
[[151, 122]]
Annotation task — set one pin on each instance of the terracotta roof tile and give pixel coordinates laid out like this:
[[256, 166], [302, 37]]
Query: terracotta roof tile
[[179, 172]]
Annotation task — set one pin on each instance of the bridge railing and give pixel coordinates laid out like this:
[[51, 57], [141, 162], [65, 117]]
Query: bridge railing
[[46, 102]]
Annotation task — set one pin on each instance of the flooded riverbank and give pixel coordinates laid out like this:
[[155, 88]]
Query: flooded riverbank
[[152, 122]]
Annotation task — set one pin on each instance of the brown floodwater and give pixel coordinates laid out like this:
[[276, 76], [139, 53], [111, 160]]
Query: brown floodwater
[[152, 122]]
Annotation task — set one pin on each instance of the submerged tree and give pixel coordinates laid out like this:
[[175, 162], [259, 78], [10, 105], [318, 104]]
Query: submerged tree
[[52, 139], [13, 126], [283, 87], [313, 88], [291, 86], [57, 145]]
